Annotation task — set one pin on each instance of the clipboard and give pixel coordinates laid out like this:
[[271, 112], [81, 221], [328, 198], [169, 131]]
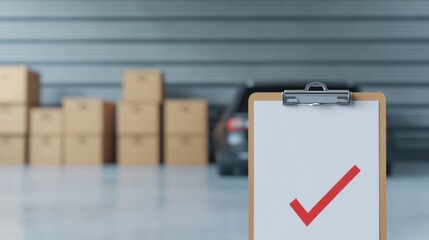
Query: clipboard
[[261, 217]]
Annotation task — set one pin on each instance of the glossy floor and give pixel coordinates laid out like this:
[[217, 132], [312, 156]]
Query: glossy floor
[[163, 204]]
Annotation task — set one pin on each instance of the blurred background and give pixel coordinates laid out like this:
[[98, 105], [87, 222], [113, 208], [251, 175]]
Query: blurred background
[[220, 52]]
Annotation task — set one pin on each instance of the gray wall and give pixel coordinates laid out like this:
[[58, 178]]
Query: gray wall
[[206, 47]]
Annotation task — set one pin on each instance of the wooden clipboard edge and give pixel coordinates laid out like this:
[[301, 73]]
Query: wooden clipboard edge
[[255, 97], [382, 153], [359, 96]]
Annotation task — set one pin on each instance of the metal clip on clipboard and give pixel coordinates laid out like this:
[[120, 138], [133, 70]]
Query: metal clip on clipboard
[[316, 97]]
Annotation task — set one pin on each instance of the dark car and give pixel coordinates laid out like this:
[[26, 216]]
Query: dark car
[[231, 135]]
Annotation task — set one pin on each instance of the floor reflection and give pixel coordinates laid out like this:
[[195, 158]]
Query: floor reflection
[[164, 203]]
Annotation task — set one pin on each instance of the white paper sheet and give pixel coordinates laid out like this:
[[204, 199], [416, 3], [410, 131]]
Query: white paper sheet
[[301, 152]]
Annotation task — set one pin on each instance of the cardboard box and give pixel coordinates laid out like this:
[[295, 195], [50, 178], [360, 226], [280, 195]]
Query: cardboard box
[[88, 116], [138, 118], [138, 150], [185, 117], [19, 85], [46, 121], [13, 119], [13, 150], [45, 150], [88, 149], [143, 86], [185, 150]]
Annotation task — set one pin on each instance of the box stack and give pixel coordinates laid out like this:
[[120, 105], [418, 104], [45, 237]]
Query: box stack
[[46, 136], [89, 129], [139, 117], [19, 90], [185, 132]]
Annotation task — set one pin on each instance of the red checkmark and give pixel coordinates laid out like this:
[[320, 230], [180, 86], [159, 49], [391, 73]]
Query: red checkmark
[[308, 217]]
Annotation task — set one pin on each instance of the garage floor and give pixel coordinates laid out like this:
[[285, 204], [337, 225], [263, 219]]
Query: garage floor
[[179, 203]]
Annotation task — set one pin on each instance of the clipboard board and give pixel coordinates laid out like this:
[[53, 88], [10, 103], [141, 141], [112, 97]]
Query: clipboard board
[[276, 214]]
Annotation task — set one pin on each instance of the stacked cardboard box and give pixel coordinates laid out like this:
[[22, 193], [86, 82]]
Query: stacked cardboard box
[[19, 90], [185, 132], [46, 136], [139, 117], [89, 129]]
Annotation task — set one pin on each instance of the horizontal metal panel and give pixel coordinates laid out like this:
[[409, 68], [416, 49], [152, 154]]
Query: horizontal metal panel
[[60, 77], [402, 94], [237, 73], [207, 8], [411, 143], [411, 139], [213, 52], [416, 134], [53, 95], [222, 30], [411, 117], [398, 117]]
